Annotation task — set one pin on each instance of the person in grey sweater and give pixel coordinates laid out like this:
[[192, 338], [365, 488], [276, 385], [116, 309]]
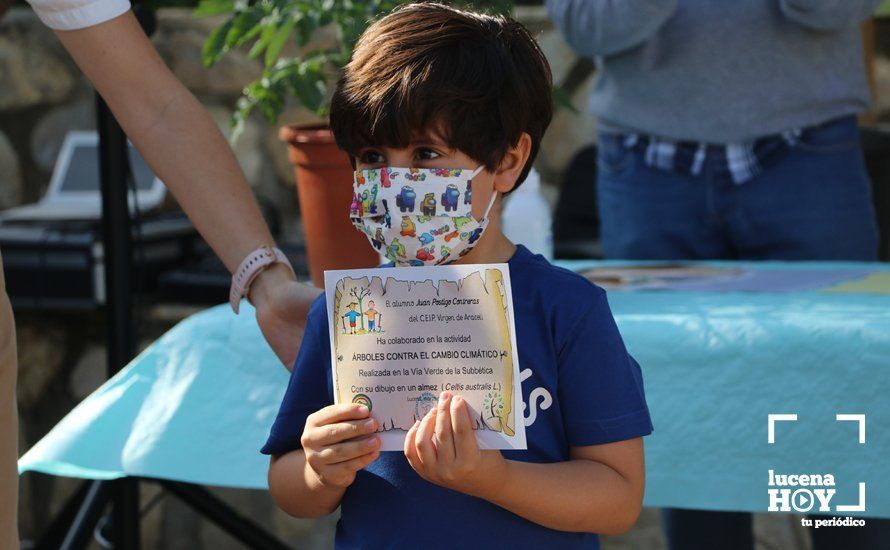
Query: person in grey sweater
[[719, 72], [727, 130]]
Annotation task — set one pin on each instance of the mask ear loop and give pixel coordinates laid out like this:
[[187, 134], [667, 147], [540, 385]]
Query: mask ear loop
[[494, 194]]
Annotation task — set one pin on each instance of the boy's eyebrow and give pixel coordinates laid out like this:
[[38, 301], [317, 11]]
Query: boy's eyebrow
[[428, 140], [429, 137], [415, 141]]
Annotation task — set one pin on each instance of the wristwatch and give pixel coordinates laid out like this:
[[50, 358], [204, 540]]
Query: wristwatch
[[250, 268]]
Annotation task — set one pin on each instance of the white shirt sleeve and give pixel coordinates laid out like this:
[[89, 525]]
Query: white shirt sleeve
[[69, 15]]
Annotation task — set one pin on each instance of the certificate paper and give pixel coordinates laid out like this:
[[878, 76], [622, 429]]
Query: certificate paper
[[402, 335]]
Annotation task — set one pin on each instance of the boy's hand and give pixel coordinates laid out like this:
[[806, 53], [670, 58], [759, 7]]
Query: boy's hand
[[442, 449], [337, 443]]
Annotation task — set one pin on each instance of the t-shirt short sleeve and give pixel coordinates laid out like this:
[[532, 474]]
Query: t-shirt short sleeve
[[600, 384], [66, 15], [309, 388]]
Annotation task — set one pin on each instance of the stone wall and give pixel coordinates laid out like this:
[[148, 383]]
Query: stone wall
[[45, 96]]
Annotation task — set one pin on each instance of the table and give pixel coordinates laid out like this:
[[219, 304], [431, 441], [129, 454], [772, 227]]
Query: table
[[197, 404]]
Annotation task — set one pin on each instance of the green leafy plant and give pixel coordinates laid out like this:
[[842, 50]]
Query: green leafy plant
[[267, 26]]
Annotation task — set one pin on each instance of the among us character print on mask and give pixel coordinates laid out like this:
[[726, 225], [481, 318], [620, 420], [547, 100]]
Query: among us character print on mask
[[417, 216]]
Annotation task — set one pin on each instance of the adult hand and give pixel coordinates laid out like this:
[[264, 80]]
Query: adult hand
[[281, 308], [452, 458], [338, 441]]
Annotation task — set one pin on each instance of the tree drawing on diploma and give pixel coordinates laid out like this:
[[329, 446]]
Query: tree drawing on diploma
[[493, 411], [360, 293]]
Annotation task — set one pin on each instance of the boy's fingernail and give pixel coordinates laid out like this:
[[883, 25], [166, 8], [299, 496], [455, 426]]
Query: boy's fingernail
[[370, 423], [362, 409]]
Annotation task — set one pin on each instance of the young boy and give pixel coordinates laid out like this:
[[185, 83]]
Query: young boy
[[431, 87], [371, 314], [352, 315]]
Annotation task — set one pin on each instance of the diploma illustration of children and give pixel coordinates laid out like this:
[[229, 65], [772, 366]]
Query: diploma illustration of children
[[372, 314], [352, 315]]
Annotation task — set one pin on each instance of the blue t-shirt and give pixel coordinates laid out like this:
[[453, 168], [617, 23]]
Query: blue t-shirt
[[580, 386]]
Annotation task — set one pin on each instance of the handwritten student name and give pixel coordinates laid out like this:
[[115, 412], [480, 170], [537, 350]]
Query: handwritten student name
[[444, 302]]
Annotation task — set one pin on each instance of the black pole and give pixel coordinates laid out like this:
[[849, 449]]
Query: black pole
[[81, 530], [56, 531], [125, 514], [114, 166], [117, 239], [121, 331], [227, 519]]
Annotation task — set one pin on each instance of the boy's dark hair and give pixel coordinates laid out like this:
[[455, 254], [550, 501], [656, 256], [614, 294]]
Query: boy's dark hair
[[480, 80]]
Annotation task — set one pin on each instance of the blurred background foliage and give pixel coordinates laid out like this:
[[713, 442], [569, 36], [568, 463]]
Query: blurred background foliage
[[265, 27]]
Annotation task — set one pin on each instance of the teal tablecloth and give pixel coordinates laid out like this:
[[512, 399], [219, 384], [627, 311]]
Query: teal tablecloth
[[197, 404]]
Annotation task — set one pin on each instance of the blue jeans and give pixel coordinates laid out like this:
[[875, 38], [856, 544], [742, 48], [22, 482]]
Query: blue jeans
[[813, 204]]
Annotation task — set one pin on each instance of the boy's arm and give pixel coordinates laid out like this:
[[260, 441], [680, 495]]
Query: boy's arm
[[297, 490], [600, 490]]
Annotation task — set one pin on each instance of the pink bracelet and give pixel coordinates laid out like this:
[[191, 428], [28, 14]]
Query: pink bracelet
[[250, 268]]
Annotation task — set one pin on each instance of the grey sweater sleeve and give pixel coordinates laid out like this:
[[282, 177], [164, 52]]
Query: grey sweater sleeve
[[828, 14], [605, 27]]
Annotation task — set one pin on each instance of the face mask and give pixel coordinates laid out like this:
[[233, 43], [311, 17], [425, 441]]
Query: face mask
[[417, 216]]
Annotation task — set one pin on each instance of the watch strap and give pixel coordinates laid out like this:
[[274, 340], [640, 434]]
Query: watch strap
[[250, 268]]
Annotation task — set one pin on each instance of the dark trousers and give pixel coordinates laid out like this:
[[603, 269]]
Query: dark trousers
[[813, 204]]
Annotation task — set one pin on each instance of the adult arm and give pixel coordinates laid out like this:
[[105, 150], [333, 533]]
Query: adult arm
[[828, 14], [185, 148], [605, 27]]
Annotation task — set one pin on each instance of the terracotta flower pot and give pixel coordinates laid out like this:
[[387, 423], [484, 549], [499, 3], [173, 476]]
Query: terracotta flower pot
[[324, 188]]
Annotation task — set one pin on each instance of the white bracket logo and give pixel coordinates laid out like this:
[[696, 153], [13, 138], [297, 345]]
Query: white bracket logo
[[854, 418], [771, 424], [804, 498]]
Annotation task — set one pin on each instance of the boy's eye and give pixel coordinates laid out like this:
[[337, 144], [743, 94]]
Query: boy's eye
[[427, 154], [372, 157]]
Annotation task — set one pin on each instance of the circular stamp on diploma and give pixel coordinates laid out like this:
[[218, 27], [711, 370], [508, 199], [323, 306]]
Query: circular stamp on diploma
[[424, 403], [362, 399]]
